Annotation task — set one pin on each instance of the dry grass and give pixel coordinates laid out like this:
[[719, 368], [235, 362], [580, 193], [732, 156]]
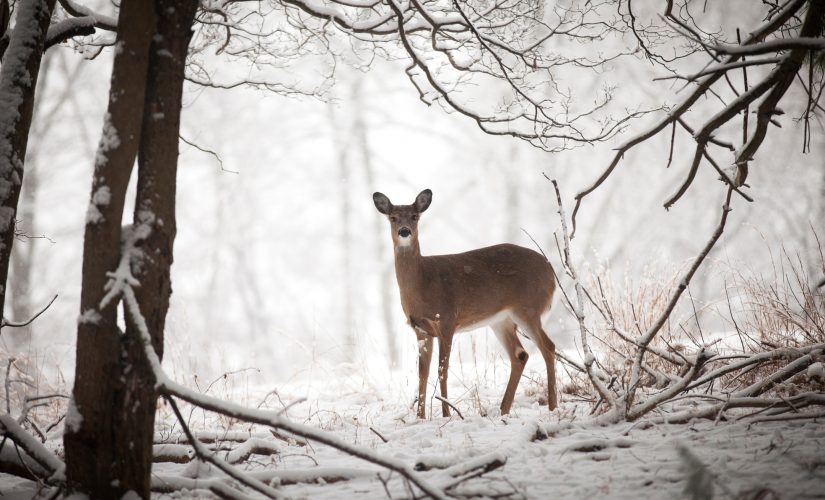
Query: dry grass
[[761, 312]]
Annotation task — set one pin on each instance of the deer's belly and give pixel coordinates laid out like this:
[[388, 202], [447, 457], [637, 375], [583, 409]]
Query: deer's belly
[[481, 322]]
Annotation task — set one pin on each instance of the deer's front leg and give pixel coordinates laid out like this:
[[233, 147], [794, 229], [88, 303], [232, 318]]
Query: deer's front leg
[[445, 343], [425, 355]]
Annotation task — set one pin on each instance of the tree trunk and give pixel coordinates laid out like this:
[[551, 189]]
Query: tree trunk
[[155, 208], [18, 80], [103, 443]]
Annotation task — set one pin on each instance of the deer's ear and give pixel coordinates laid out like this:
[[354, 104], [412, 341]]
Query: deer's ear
[[423, 200], [382, 203]]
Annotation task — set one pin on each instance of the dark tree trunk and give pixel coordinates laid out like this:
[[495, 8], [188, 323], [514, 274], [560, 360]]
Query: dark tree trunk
[[155, 205], [18, 80], [104, 458]]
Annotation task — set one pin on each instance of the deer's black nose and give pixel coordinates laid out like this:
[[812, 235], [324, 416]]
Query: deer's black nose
[[404, 232]]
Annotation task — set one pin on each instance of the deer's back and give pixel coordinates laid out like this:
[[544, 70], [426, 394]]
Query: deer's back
[[481, 283]]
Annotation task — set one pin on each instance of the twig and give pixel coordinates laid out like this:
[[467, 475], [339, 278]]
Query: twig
[[16, 324], [445, 401], [647, 338], [209, 152], [382, 436], [208, 456]]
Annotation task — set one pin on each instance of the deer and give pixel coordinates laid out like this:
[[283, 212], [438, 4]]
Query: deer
[[505, 286]]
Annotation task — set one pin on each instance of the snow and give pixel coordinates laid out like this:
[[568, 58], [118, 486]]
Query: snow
[[579, 460], [109, 140], [90, 316], [100, 19], [73, 417], [59, 29], [816, 371], [545, 455], [100, 199]]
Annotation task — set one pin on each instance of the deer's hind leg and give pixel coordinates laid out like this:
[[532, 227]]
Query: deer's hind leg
[[532, 327], [506, 334]]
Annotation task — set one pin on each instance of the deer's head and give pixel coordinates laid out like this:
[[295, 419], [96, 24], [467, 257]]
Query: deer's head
[[403, 218]]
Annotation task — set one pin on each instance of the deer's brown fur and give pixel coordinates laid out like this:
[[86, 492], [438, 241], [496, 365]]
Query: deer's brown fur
[[504, 286]]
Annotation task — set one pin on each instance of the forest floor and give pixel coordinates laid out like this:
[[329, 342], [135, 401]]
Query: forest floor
[[736, 459]]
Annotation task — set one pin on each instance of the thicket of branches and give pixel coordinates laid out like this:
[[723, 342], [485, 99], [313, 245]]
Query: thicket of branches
[[523, 56]]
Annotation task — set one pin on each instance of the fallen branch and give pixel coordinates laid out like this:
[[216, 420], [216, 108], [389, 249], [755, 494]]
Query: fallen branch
[[253, 446], [208, 456], [174, 453], [52, 465], [324, 475]]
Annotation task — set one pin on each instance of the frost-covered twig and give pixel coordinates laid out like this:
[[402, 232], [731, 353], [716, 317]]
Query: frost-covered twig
[[784, 18], [463, 471], [589, 358], [786, 372]]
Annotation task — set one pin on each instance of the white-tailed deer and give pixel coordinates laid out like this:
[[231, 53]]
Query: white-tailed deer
[[503, 286]]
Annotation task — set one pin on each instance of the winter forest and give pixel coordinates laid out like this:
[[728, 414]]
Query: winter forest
[[515, 249]]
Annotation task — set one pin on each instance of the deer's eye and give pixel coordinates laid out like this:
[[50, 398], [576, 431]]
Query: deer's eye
[[414, 217], [393, 219]]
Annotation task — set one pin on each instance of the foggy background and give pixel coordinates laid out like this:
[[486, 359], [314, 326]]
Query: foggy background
[[282, 262]]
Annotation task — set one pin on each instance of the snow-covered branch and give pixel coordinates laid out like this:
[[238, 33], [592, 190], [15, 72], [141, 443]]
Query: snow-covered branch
[[79, 11], [53, 466], [780, 23], [69, 28]]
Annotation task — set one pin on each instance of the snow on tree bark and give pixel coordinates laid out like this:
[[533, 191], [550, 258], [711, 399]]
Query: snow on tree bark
[[18, 79]]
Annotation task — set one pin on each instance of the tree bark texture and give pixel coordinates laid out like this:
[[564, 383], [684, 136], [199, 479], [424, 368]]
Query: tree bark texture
[[18, 80], [103, 442], [154, 214]]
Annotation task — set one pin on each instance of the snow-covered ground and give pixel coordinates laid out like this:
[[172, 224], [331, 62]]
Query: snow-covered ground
[[642, 460], [618, 461]]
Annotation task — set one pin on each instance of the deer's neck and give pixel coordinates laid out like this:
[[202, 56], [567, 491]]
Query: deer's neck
[[408, 269]]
